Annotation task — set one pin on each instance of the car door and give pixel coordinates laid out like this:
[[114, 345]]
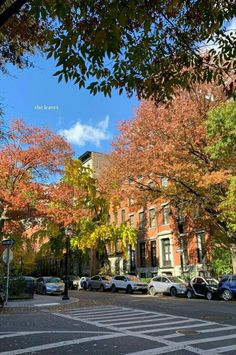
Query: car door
[[123, 282], [200, 286], [157, 283], [95, 281], [164, 284], [232, 284]]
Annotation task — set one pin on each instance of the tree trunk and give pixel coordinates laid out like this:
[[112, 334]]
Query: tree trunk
[[2, 220], [233, 255]]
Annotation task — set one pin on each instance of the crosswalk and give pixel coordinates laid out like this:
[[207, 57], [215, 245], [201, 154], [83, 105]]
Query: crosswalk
[[166, 333]]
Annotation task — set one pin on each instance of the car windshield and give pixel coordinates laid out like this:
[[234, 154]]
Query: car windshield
[[133, 278], [175, 279], [212, 282], [53, 280]]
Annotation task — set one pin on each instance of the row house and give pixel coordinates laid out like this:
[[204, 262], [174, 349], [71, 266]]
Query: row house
[[160, 248]]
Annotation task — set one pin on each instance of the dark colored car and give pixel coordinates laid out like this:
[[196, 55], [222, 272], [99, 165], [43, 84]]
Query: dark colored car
[[73, 282], [227, 287], [202, 287], [2, 298]]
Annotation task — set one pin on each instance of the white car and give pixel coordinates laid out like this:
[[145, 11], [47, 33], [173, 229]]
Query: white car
[[83, 283], [167, 284], [129, 283]]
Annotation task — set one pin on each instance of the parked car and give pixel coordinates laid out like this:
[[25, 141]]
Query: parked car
[[98, 282], [172, 285], [2, 298], [84, 283], [49, 285], [73, 282], [227, 287], [129, 283], [202, 287]]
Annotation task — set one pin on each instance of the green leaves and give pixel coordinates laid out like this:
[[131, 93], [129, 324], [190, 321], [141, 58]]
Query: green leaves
[[159, 44]]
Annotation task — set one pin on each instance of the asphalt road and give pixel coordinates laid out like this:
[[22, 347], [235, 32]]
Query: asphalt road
[[106, 323]]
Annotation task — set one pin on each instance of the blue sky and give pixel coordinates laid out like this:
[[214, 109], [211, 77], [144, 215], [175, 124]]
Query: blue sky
[[89, 122]]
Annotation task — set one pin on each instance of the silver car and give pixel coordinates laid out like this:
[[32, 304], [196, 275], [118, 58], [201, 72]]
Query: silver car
[[49, 285], [98, 282], [167, 284]]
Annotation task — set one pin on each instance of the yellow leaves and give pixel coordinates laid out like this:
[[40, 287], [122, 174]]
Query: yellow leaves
[[91, 235]]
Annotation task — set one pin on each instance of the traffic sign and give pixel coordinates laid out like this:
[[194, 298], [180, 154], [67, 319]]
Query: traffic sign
[[8, 242], [5, 255]]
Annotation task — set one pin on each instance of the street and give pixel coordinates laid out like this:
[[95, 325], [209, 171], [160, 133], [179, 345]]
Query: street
[[105, 323]]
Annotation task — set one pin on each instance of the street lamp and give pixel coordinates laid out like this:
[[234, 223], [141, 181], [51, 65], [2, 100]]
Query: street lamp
[[68, 234]]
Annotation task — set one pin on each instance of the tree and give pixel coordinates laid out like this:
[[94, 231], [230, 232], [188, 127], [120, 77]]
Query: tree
[[21, 37], [151, 47], [221, 128], [28, 156], [171, 142], [77, 201]]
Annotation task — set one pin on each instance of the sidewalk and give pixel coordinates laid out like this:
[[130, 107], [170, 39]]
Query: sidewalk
[[41, 301]]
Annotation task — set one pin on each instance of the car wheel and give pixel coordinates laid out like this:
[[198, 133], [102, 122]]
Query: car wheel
[[113, 288], [209, 296], [129, 289], [152, 291], [173, 292], [226, 295], [44, 292], [102, 288], [189, 294]]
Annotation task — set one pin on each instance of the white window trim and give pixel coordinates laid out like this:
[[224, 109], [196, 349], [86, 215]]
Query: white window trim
[[161, 236]]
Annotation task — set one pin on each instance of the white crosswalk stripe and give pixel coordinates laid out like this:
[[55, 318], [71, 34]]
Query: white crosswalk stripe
[[173, 333]]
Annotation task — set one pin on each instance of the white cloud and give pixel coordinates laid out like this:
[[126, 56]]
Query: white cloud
[[81, 134]]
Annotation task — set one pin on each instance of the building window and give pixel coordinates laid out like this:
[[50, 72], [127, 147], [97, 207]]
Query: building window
[[131, 201], [116, 218], [166, 254], [152, 218], [201, 248], [165, 215], [153, 253], [132, 259], [131, 220], [164, 181], [142, 254], [122, 216], [141, 220]]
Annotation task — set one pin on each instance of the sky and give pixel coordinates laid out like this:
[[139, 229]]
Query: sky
[[88, 122]]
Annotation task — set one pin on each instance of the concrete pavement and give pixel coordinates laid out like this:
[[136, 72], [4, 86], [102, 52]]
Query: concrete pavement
[[41, 301]]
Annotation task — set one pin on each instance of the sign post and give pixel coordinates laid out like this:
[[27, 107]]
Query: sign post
[[7, 258]]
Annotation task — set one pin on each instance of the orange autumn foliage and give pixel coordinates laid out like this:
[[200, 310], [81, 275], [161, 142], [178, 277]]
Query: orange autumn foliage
[[28, 157], [171, 141]]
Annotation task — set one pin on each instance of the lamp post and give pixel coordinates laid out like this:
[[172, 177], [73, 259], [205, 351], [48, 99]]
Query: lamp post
[[68, 234]]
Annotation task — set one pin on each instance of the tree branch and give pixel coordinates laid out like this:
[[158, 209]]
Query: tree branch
[[11, 10]]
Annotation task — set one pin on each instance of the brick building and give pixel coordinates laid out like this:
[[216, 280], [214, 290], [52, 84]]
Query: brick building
[[160, 248]]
